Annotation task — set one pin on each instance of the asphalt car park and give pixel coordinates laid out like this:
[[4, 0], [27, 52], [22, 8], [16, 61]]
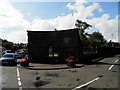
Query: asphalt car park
[[102, 74]]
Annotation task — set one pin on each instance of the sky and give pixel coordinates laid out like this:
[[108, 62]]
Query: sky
[[18, 17]]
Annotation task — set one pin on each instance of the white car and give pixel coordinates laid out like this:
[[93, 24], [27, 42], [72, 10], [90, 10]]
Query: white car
[[19, 55]]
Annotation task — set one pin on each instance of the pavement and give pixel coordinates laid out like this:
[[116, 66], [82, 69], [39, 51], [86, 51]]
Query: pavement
[[38, 66]]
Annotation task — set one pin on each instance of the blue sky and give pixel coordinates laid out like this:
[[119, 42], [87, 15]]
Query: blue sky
[[18, 17], [111, 8], [44, 10], [50, 10]]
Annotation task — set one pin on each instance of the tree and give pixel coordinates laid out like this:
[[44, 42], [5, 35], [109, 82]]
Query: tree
[[7, 44], [82, 26], [96, 39], [13, 46]]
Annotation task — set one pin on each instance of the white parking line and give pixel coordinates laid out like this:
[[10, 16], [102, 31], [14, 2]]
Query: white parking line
[[20, 88], [18, 74], [116, 60], [112, 65], [19, 81], [86, 83]]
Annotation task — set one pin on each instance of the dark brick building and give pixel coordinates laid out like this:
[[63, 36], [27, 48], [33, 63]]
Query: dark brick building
[[47, 46]]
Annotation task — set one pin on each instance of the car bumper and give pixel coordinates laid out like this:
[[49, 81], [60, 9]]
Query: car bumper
[[8, 63]]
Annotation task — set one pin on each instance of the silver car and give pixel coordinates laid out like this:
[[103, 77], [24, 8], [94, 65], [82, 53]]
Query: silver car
[[8, 59]]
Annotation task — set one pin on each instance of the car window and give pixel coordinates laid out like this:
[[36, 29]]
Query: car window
[[8, 55]]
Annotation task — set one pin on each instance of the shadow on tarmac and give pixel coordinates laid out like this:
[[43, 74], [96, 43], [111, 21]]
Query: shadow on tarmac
[[55, 68]]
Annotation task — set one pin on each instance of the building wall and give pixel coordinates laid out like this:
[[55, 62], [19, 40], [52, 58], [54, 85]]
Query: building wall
[[44, 46], [0, 47]]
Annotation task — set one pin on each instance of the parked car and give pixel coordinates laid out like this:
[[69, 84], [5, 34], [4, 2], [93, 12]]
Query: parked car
[[7, 51], [8, 59], [19, 55]]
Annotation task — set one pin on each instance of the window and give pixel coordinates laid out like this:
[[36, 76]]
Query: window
[[52, 52]]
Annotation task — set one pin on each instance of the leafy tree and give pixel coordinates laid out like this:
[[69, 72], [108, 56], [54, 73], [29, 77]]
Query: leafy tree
[[13, 46], [82, 26], [96, 39], [7, 45]]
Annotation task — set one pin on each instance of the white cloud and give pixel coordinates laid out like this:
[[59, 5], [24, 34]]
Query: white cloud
[[11, 17], [41, 24], [108, 27], [68, 21], [16, 37], [83, 11], [64, 22]]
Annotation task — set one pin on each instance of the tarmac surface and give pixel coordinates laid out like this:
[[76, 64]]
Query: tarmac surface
[[38, 66], [98, 74]]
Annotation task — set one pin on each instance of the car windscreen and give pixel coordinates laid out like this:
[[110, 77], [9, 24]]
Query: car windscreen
[[8, 55]]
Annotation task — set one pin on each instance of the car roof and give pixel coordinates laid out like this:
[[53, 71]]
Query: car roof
[[9, 53]]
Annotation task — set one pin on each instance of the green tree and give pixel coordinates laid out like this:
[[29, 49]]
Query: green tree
[[13, 46], [82, 26], [96, 39], [7, 45]]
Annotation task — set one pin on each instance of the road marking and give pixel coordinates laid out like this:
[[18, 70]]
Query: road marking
[[17, 72], [86, 83], [19, 81], [112, 65], [20, 88], [116, 60]]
